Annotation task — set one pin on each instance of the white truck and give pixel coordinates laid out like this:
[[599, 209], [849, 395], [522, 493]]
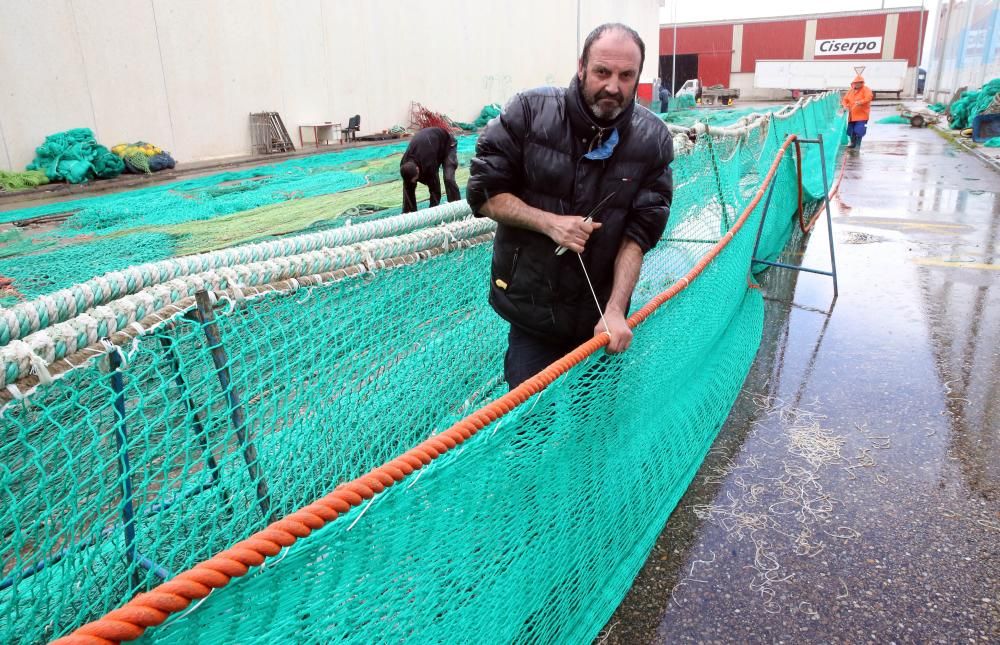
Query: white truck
[[709, 95], [804, 76]]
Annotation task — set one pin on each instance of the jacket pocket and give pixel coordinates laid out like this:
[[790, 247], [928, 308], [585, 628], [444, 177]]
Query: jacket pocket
[[505, 268]]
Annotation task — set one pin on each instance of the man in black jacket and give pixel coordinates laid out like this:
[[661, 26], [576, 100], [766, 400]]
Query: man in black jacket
[[552, 157], [429, 149]]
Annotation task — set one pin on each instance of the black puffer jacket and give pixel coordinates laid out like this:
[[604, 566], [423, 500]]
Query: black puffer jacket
[[429, 149], [535, 150]]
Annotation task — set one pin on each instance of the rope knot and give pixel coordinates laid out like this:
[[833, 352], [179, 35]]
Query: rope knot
[[23, 352]]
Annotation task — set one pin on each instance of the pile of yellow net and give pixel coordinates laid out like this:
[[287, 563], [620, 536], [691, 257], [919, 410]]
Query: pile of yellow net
[[142, 157]]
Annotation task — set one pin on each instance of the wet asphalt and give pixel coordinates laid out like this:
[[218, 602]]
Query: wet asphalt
[[854, 493]]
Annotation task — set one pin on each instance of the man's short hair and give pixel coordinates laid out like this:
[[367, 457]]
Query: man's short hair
[[613, 26], [408, 170]]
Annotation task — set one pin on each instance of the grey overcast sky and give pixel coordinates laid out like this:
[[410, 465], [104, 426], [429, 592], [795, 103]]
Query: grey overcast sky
[[707, 10]]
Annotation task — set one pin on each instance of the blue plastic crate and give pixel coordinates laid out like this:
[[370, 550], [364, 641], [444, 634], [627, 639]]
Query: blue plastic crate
[[985, 126]]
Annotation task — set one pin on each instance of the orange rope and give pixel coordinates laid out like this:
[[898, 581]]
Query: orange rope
[[152, 608]]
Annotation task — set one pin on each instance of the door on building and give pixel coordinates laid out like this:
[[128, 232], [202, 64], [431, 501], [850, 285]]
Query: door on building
[[687, 68]]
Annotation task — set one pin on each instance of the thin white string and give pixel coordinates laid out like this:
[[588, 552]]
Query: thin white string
[[197, 604], [597, 302]]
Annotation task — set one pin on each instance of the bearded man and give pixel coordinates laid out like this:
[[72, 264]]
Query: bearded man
[[578, 180]]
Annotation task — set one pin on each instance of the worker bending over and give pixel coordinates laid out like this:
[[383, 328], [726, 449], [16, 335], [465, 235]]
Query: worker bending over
[[429, 149]]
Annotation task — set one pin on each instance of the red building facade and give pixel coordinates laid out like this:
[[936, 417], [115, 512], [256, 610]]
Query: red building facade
[[725, 53]]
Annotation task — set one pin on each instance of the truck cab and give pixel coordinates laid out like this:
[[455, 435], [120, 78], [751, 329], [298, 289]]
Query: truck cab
[[691, 87], [714, 95]]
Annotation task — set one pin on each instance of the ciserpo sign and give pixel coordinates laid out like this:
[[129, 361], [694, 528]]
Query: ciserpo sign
[[848, 46]]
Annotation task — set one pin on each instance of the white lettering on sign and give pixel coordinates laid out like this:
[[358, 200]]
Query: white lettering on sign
[[848, 46]]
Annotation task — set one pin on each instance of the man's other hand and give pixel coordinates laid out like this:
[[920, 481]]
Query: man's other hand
[[571, 231], [621, 333]]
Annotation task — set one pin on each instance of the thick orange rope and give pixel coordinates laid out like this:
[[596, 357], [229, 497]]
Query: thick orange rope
[[152, 608]]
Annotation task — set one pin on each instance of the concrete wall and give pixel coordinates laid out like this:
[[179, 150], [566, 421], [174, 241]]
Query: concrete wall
[[184, 74]]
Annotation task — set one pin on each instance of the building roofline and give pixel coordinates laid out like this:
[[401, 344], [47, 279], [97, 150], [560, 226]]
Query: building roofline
[[804, 16]]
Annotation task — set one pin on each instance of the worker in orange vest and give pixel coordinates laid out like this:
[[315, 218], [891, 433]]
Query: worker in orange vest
[[858, 103]]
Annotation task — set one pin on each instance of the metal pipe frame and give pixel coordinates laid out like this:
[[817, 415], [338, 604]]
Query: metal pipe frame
[[829, 224], [206, 315]]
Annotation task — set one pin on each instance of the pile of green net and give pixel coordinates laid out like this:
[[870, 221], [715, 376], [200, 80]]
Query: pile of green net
[[74, 156], [894, 119], [115, 477], [682, 102], [488, 112], [971, 104], [937, 107], [993, 142], [11, 181]]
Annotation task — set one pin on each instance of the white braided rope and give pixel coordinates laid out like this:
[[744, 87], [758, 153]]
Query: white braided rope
[[27, 317], [41, 348], [750, 121], [743, 126]]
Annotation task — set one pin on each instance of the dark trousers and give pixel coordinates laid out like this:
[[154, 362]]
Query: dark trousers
[[856, 130], [528, 355], [450, 185]]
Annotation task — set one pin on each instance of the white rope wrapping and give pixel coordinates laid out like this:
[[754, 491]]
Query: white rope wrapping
[[99, 322], [23, 355], [26, 317], [747, 123]]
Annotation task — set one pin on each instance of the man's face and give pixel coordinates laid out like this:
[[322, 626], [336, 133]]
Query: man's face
[[611, 74]]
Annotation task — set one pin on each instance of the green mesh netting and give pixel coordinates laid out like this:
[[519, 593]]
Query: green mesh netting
[[894, 119], [682, 102], [993, 142], [113, 478], [59, 265], [203, 214], [713, 116], [137, 160], [12, 181], [75, 156], [971, 104], [488, 112]]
